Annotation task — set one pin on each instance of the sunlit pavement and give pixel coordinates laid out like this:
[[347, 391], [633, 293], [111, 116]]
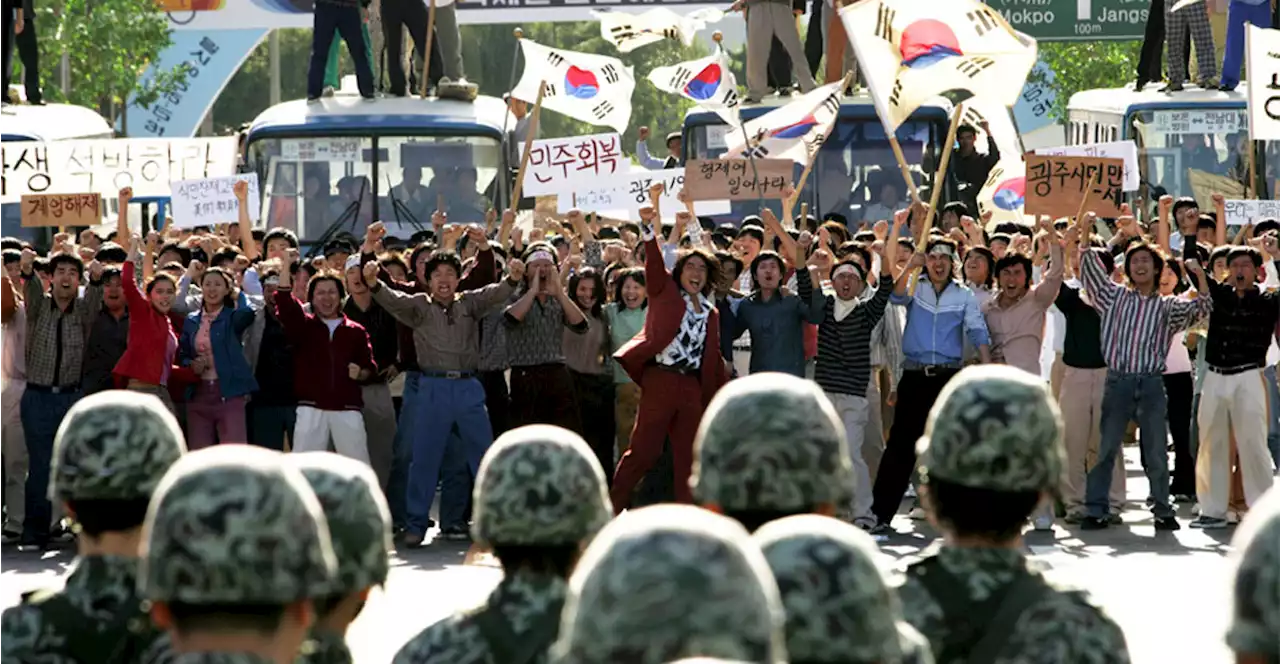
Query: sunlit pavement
[[1170, 592]]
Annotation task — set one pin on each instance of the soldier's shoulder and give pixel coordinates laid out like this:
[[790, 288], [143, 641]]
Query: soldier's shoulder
[[1066, 625], [27, 635], [453, 640]]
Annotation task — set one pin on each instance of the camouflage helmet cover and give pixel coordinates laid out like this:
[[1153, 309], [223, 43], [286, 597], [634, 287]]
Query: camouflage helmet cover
[[771, 441], [668, 582], [234, 524], [114, 445], [539, 485], [1255, 621], [995, 427], [835, 595], [357, 515]]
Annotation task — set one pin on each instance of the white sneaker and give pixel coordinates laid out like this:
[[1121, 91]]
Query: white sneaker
[[911, 492], [917, 513], [328, 91], [1043, 523], [1195, 509], [1233, 517]]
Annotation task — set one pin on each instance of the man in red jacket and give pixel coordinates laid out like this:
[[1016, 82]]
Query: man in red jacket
[[675, 359], [332, 357]]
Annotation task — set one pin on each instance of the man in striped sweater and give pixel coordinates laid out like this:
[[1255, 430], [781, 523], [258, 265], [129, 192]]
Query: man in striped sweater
[[845, 324]]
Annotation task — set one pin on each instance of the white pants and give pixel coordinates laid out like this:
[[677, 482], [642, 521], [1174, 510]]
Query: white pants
[[1237, 402], [873, 438], [854, 413], [15, 456], [314, 428]]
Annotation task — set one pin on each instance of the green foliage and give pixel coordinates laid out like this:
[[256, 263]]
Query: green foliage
[[109, 44], [248, 92], [1085, 65]]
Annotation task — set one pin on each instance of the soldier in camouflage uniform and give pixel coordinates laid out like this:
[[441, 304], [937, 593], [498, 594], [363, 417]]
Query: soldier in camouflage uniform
[[838, 602], [360, 531], [233, 548], [770, 446], [992, 450], [109, 454], [1254, 634], [668, 582], [540, 496]]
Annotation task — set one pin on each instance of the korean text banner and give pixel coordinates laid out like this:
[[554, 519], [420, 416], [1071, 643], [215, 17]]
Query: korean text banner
[[1263, 71], [210, 201], [623, 195], [106, 166], [559, 165], [246, 14]]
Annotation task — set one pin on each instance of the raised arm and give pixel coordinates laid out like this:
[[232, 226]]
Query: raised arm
[[1046, 291], [133, 296], [250, 248], [288, 308], [813, 302]]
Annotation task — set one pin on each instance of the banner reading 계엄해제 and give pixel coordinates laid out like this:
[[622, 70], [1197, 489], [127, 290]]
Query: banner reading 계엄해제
[[1056, 185], [61, 210], [105, 166]]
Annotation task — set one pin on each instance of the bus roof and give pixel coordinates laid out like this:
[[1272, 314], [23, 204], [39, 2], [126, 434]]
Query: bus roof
[[52, 122], [857, 107], [350, 115], [1122, 101]]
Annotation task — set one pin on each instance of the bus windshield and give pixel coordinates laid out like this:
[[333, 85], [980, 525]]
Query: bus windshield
[[1199, 152], [855, 175], [313, 184]]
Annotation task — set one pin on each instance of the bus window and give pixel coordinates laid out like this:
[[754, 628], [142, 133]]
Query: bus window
[[1194, 152], [336, 173]]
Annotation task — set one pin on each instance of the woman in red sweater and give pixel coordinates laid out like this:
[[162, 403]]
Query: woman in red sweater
[[148, 360]]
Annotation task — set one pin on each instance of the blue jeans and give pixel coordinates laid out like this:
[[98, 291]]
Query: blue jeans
[[455, 483], [42, 413], [1239, 13], [347, 22], [1273, 412], [443, 405], [402, 450], [1126, 397], [268, 425]]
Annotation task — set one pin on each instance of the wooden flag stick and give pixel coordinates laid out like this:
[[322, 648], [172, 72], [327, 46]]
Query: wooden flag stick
[[939, 181], [528, 145], [426, 56], [902, 166]]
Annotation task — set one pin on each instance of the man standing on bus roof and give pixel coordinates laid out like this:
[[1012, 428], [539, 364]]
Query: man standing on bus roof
[[453, 84], [1196, 16], [344, 17], [1240, 12]]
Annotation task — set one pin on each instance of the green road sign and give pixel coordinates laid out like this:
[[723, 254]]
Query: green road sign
[[1076, 20]]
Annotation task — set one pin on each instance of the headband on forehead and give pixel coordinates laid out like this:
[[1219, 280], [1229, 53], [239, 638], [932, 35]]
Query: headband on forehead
[[352, 261], [847, 268], [540, 256], [941, 249], [271, 281]]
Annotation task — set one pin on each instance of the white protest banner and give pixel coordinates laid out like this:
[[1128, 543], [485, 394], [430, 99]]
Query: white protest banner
[[1262, 67], [557, 165], [1126, 150], [624, 195], [105, 166], [1249, 212], [212, 201]]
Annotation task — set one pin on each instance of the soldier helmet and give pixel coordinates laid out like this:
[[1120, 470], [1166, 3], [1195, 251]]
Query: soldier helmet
[[835, 593], [771, 442], [1255, 621], [114, 445], [995, 427], [357, 515], [234, 524], [539, 485], [668, 582]]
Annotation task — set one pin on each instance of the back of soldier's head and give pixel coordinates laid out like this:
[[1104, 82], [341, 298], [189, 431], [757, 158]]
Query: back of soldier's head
[[110, 452], [771, 445], [991, 448], [1255, 622], [233, 537], [539, 495], [358, 519], [838, 603], [669, 582]]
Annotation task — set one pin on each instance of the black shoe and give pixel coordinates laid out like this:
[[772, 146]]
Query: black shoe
[[1172, 87], [411, 540], [455, 534], [1167, 523], [1140, 84], [1093, 523], [881, 529], [1228, 87]]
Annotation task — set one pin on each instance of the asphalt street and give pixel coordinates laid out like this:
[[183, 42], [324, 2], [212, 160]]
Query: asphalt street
[[1170, 592]]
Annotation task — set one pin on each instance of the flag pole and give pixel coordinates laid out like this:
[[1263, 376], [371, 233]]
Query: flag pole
[[1253, 168], [902, 166], [426, 56], [939, 181], [528, 145], [506, 113], [804, 176]]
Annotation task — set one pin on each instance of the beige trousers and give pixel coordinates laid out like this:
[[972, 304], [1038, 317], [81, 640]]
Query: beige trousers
[[1081, 404]]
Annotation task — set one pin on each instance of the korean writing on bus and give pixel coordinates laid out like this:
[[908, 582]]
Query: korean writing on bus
[[105, 166], [556, 164], [1207, 121], [1057, 184], [737, 179]]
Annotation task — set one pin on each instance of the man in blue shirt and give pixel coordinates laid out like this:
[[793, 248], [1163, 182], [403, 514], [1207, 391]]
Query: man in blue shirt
[[941, 313]]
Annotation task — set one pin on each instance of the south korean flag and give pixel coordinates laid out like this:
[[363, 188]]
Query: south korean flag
[[627, 32], [794, 131], [595, 89], [708, 82]]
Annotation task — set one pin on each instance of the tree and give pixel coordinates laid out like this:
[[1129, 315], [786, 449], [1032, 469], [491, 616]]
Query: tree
[[1085, 65], [108, 44], [248, 92]]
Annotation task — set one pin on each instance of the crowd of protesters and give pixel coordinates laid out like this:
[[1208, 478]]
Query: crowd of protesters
[[413, 359]]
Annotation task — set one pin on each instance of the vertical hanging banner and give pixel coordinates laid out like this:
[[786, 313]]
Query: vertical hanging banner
[[211, 58]]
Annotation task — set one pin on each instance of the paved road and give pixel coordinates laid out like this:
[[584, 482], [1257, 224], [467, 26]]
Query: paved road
[[1169, 591]]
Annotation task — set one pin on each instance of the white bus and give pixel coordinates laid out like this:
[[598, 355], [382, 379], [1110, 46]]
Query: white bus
[[319, 175], [1190, 143]]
